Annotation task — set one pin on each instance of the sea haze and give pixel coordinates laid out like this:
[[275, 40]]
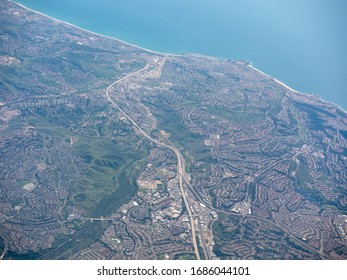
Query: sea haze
[[300, 42]]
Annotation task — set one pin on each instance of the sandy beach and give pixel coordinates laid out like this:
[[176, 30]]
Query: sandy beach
[[277, 81]]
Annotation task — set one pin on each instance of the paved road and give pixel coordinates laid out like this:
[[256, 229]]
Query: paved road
[[5, 248], [180, 159]]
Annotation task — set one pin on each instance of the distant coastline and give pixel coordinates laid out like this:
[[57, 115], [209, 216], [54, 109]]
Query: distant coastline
[[295, 91], [169, 54], [92, 32], [277, 81]]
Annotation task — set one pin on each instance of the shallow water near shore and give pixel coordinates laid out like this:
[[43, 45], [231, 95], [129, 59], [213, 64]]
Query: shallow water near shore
[[301, 43]]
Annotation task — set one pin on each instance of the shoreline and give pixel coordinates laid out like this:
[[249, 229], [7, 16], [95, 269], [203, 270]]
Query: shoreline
[[92, 32], [277, 81], [170, 54], [295, 91]]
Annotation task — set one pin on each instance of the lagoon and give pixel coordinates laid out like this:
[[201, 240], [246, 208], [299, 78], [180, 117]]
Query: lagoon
[[300, 42]]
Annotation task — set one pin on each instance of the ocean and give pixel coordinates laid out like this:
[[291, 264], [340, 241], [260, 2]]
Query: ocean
[[302, 43]]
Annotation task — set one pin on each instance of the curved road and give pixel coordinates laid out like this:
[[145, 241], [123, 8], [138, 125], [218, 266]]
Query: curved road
[[180, 160], [5, 247]]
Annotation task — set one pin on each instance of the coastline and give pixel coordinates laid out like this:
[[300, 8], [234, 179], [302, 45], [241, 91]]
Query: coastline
[[295, 91], [170, 54], [277, 81], [92, 32]]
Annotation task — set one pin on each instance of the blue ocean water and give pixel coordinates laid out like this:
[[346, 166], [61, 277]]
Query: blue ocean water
[[303, 43]]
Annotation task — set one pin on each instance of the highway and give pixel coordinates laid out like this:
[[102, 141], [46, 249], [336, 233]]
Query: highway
[[180, 159]]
